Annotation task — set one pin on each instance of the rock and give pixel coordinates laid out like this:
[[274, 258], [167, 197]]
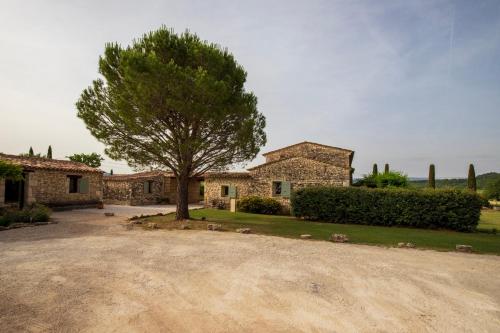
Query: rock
[[41, 223], [109, 214], [152, 225], [214, 227], [410, 245], [136, 221], [464, 248], [401, 244], [100, 205], [339, 238], [305, 236], [184, 227], [244, 230]]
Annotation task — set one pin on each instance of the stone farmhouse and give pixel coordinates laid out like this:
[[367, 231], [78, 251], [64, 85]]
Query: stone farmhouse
[[147, 188], [286, 169], [55, 183]]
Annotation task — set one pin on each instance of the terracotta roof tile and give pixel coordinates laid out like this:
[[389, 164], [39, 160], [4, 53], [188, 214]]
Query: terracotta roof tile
[[39, 163]]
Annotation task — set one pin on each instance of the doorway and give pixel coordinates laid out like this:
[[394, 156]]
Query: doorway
[[14, 192]]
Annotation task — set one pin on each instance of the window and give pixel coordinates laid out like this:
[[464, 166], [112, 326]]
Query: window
[[277, 188], [148, 187], [224, 191], [281, 189], [73, 183]]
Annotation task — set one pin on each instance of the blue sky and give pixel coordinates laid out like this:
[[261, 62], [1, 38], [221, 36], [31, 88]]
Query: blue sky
[[403, 82]]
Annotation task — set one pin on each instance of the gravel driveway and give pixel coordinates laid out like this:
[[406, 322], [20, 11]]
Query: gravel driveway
[[89, 273]]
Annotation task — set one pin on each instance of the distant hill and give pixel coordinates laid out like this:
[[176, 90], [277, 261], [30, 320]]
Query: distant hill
[[459, 183]]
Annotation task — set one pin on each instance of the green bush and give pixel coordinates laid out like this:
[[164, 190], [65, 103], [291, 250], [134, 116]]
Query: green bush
[[439, 209], [35, 213], [492, 190], [383, 180], [259, 205]]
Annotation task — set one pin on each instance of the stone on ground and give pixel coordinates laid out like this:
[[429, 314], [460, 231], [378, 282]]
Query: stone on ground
[[464, 248], [339, 238]]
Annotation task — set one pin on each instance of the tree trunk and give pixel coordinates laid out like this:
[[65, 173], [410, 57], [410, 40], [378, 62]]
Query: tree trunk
[[182, 212]]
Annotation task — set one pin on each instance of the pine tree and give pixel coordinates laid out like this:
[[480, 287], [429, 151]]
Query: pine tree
[[49, 152], [375, 169], [386, 168], [432, 176], [31, 153], [471, 179]]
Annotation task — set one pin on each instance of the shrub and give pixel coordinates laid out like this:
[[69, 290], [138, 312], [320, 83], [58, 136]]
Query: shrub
[[493, 190], [391, 179], [258, 205], [35, 213], [219, 204], [444, 209], [382, 180]]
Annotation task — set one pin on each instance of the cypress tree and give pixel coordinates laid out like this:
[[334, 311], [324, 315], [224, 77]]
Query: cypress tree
[[432, 176], [471, 179], [375, 169], [111, 172], [49, 152], [31, 153], [386, 168]]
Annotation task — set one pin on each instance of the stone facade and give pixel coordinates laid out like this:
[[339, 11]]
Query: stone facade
[[146, 188], [51, 188], [47, 182], [296, 166]]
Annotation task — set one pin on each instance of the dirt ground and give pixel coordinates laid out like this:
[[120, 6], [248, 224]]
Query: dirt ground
[[89, 273]]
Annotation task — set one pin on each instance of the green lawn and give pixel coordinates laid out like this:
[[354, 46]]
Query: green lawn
[[290, 227], [490, 220]]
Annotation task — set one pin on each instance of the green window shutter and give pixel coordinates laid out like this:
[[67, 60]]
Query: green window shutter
[[146, 187], [232, 191], [83, 185], [286, 189]]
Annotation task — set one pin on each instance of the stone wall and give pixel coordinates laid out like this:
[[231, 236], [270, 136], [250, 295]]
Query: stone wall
[[331, 155], [157, 195], [131, 191], [52, 188], [116, 192]]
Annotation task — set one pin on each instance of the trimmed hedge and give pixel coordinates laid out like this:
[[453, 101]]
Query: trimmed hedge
[[436, 209], [258, 205]]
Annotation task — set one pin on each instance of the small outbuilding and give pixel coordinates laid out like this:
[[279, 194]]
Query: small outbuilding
[[54, 183]]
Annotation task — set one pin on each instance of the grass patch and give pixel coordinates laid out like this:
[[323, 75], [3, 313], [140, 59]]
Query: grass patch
[[287, 226], [490, 219]]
